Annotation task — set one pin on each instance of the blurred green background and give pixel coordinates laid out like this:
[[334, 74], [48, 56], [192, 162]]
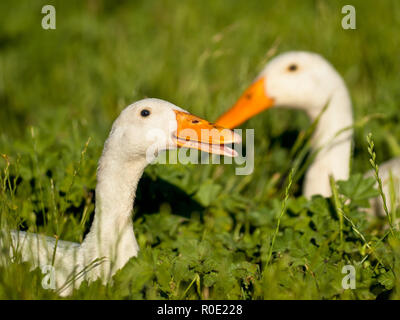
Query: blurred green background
[[72, 82], [59, 88]]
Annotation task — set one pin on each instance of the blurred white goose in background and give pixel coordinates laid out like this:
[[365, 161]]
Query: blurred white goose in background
[[306, 81], [137, 135]]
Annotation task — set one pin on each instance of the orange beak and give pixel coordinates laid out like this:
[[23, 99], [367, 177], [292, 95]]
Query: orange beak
[[196, 133], [252, 102]]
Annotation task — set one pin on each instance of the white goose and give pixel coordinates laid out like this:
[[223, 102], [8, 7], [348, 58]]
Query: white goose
[[306, 81], [137, 135]]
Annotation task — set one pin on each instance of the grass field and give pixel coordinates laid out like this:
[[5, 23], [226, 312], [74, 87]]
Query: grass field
[[204, 232]]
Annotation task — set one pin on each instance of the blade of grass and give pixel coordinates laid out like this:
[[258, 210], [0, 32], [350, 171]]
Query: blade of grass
[[375, 167], [283, 210]]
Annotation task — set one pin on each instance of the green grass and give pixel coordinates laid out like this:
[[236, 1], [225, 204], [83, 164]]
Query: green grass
[[203, 231]]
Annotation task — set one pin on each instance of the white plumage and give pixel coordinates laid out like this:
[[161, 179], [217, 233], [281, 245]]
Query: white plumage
[[133, 143], [306, 81]]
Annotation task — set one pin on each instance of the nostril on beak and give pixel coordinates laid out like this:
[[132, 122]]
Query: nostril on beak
[[195, 121]]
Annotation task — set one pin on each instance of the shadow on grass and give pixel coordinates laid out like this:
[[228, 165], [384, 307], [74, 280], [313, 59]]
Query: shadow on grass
[[151, 194]]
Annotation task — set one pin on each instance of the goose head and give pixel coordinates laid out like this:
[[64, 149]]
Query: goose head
[[149, 126], [297, 79]]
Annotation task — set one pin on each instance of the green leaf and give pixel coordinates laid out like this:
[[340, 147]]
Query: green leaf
[[207, 193], [358, 189], [387, 279]]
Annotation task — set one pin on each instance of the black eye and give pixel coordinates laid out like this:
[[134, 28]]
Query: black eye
[[292, 67], [145, 113]]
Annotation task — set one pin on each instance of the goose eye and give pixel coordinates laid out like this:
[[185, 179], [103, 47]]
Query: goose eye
[[292, 67], [145, 113]]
